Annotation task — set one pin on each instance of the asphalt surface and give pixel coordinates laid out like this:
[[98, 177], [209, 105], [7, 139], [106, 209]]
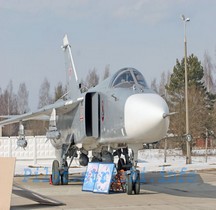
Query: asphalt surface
[[159, 190]]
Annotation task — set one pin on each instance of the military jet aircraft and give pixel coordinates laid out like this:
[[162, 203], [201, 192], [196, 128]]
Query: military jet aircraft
[[121, 112]]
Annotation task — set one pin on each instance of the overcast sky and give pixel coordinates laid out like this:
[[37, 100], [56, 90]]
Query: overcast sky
[[145, 34]]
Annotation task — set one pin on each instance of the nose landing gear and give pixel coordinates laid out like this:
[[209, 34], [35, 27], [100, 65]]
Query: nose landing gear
[[130, 166]]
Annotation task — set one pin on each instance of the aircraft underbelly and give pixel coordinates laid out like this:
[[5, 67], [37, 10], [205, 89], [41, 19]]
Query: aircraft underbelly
[[126, 140]]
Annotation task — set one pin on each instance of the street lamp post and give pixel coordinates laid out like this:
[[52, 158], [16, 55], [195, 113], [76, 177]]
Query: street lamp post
[[188, 157]]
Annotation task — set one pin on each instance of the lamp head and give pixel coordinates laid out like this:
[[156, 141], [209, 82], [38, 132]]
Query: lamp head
[[185, 19]]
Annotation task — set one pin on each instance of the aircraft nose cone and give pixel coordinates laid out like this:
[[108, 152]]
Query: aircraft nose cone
[[144, 117]]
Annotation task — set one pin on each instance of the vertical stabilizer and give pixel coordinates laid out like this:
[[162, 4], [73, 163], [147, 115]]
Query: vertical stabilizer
[[72, 79]]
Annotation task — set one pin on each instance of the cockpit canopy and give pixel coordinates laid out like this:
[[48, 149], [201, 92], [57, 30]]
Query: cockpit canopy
[[127, 77]]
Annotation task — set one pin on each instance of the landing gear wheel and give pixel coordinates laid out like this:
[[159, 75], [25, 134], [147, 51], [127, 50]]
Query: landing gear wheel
[[129, 184], [55, 173], [64, 176], [136, 185]]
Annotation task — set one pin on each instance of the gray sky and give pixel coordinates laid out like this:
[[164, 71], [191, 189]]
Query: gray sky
[[145, 34]]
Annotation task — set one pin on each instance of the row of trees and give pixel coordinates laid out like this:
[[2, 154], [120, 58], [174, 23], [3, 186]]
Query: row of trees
[[12, 103], [201, 96]]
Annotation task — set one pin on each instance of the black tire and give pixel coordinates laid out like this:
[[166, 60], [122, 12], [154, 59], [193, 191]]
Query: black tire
[[129, 184], [64, 176], [55, 173], [136, 185]]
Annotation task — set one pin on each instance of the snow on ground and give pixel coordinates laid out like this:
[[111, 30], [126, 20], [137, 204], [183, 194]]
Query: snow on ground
[[150, 160], [153, 160]]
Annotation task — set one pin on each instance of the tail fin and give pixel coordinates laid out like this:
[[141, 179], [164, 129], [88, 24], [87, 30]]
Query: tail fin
[[72, 79]]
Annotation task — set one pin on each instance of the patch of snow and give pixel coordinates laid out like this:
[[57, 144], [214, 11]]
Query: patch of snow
[[149, 160]]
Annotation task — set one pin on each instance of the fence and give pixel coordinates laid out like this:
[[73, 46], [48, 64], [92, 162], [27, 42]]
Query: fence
[[36, 151]]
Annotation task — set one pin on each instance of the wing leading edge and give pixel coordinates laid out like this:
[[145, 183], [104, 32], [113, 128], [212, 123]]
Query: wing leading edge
[[60, 106]]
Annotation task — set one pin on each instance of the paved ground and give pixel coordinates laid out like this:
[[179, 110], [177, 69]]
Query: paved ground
[[185, 190]]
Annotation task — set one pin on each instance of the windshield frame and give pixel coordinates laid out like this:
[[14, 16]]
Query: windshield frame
[[136, 79], [139, 78], [125, 79]]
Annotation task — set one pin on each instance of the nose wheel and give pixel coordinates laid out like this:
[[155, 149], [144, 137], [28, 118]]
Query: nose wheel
[[132, 182], [136, 185], [132, 174]]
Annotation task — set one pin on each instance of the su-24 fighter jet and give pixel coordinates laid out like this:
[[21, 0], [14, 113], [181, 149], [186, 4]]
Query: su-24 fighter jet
[[121, 112]]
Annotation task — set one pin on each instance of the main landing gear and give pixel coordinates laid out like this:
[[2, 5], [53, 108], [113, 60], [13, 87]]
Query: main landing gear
[[59, 176], [60, 169]]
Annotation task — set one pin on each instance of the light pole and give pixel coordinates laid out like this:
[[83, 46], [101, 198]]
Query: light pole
[[188, 157]]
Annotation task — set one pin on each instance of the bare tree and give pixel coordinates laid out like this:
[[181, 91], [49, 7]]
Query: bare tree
[[106, 71], [39, 127], [161, 88], [59, 91], [2, 105], [208, 73], [8, 101], [44, 94], [92, 78], [9, 107], [154, 85], [22, 99]]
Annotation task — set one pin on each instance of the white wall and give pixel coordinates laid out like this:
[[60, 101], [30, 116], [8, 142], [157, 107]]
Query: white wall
[[38, 153]]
